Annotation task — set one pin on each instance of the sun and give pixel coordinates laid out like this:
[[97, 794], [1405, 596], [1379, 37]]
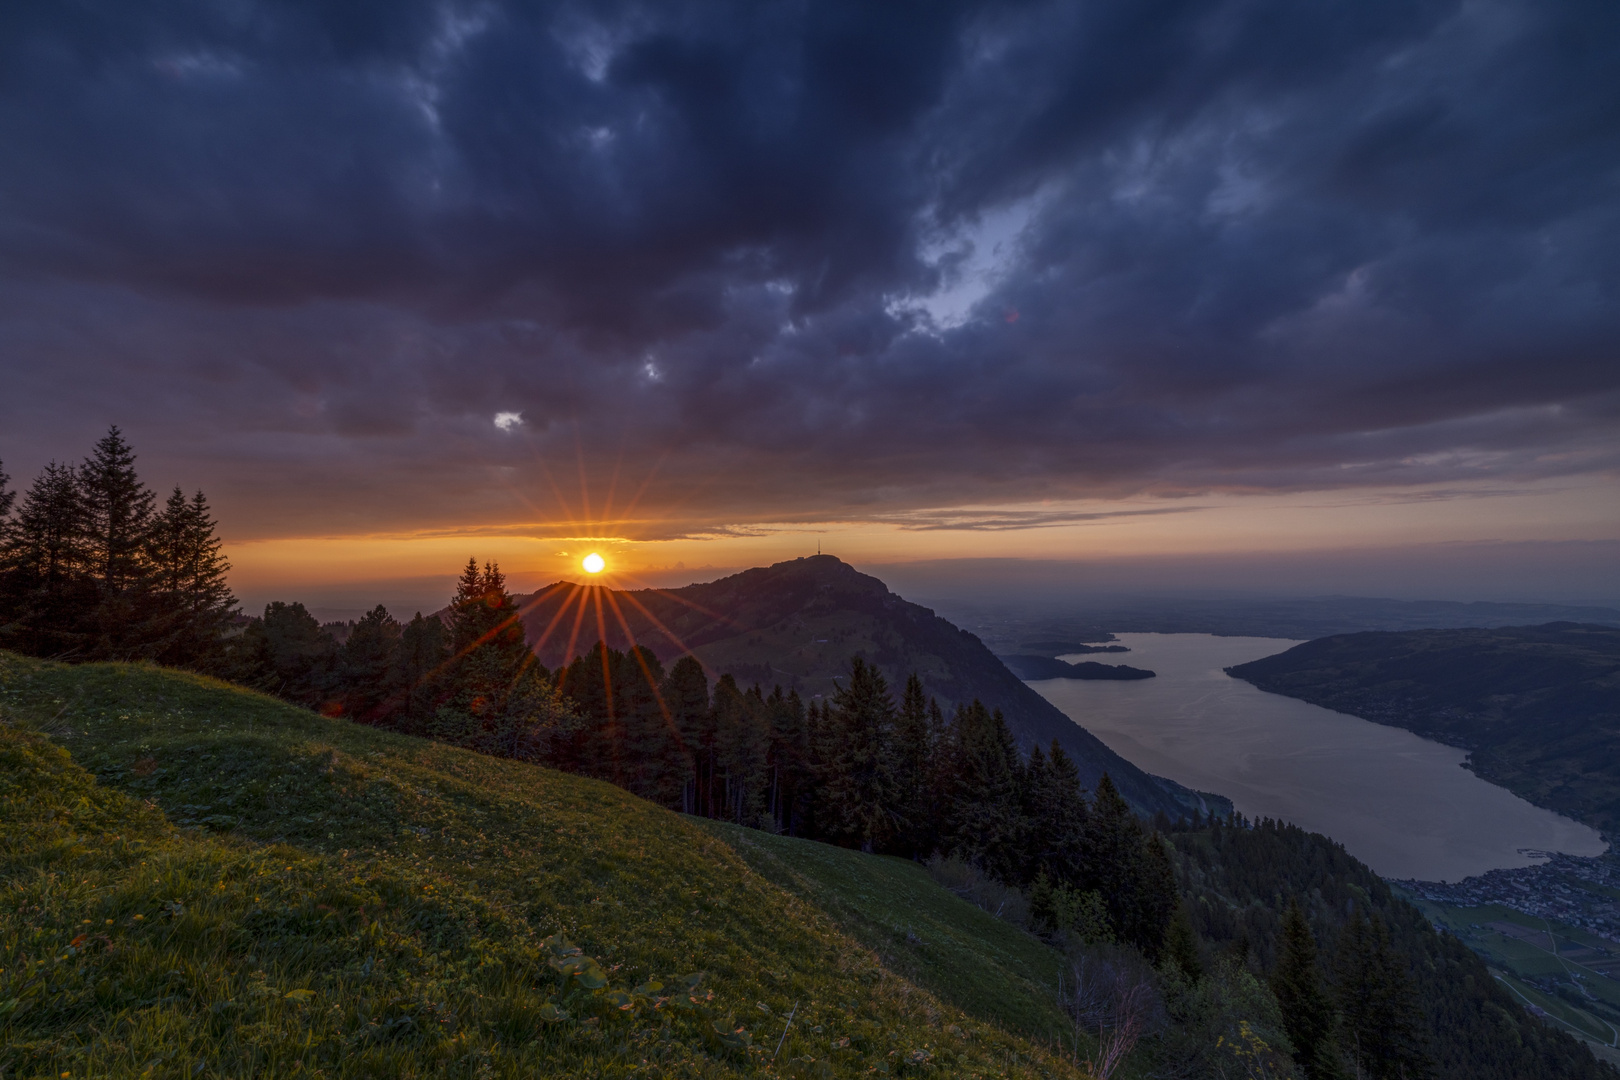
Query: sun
[[594, 563]]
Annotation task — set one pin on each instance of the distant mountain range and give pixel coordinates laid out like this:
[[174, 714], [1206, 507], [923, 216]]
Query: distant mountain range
[[797, 624], [1538, 706], [1026, 629]]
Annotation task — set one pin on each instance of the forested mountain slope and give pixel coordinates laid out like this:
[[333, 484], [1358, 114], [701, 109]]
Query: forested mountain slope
[[1538, 706], [1237, 882], [797, 624]]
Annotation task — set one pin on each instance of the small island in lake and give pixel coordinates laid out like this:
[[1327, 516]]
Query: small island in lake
[[1046, 667]]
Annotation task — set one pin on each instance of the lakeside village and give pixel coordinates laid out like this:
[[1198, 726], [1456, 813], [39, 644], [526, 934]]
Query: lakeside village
[[1577, 891]]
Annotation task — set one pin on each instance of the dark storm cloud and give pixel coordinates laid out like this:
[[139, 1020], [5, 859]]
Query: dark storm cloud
[[810, 257]]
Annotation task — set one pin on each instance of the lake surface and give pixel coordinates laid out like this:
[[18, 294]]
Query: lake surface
[[1398, 802]]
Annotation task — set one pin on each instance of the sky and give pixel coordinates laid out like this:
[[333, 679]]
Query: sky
[[1250, 293]]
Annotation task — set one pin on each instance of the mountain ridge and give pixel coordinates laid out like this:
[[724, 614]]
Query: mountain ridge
[[798, 623]]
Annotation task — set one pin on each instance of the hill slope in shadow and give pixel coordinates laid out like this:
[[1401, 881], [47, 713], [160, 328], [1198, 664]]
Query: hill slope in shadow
[[1538, 706], [797, 624]]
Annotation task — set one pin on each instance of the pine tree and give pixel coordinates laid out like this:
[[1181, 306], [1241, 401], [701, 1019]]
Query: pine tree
[[985, 823], [820, 750], [1181, 945], [742, 746], [488, 648], [7, 497], [653, 770], [913, 768], [1128, 865], [47, 568], [1056, 807], [589, 683], [858, 776], [1384, 1033], [790, 762], [368, 665], [302, 656], [686, 693], [118, 512], [419, 664], [1156, 898], [8, 586], [1307, 1010], [191, 606]]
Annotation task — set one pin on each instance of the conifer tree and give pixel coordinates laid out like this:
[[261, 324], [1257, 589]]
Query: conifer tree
[[913, 768], [1128, 865], [299, 657], [986, 825], [7, 497], [742, 743], [1384, 1034], [1112, 837], [589, 683], [1056, 807], [790, 762], [419, 662], [487, 643], [1156, 898], [118, 510], [686, 694], [819, 755], [191, 603], [368, 664], [1181, 945], [48, 567], [8, 586], [655, 770], [858, 761], [1307, 1010]]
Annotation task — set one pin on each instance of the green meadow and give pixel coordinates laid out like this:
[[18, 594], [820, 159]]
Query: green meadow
[[201, 881]]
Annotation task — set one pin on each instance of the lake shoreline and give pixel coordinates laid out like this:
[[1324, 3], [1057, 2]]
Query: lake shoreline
[[1401, 803]]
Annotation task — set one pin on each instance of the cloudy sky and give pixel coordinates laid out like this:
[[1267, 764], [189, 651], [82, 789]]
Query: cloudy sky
[[704, 283]]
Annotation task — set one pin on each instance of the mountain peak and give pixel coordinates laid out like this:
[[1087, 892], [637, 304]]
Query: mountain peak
[[827, 571], [797, 624]]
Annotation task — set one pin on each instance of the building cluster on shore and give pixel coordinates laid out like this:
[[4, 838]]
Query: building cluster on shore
[[1576, 891]]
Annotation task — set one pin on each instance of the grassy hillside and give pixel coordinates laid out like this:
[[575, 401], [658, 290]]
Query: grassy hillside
[[219, 884], [796, 624], [958, 952], [1539, 706]]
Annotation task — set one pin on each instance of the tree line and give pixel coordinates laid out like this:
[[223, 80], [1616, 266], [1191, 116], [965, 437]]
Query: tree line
[[92, 567], [860, 769]]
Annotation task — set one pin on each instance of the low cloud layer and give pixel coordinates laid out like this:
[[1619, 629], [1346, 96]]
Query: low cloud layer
[[773, 261]]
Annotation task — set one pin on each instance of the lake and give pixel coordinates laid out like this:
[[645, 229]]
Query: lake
[[1397, 802]]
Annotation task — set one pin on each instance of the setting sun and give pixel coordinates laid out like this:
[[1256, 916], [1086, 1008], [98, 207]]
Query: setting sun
[[594, 563]]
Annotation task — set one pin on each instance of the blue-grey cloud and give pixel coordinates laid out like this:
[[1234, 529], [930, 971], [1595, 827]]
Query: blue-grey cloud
[[840, 257]]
